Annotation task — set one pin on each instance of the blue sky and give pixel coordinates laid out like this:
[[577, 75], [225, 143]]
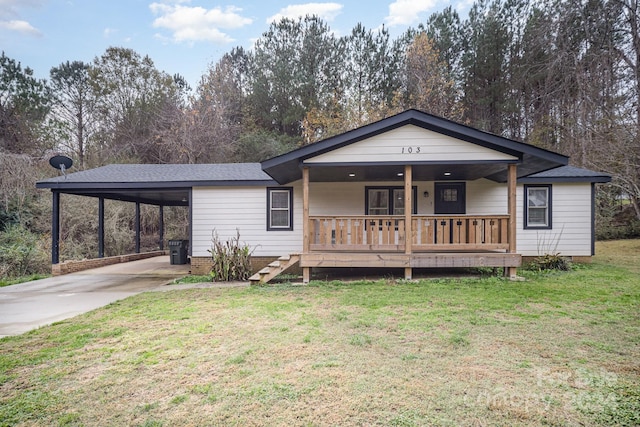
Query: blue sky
[[180, 36]]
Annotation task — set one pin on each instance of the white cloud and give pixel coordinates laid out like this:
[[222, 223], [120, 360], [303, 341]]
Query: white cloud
[[9, 8], [10, 16], [405, 12], [326, 11], [107, 32], [22, 27], [189, 24]]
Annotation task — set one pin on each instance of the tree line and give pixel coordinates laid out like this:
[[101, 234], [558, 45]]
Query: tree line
[[560, 74]]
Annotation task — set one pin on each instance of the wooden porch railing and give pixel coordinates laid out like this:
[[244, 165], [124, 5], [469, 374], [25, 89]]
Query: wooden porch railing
[[429, 233]]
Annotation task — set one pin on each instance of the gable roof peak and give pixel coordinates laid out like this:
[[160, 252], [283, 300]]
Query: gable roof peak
[[285, 168]]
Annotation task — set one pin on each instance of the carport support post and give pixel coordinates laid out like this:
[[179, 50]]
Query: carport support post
[[161, 227], [55, 228], [100, 227], [137, 227]]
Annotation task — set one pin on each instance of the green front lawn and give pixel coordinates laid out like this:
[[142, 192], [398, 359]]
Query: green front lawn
[[557, 349]]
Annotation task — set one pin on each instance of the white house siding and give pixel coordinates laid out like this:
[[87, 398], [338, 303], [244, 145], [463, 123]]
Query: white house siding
[[225, 209], [571, 222], [571, 210], [336, 198], [571, 217], [347, 198], [410, 143], [484, 197]]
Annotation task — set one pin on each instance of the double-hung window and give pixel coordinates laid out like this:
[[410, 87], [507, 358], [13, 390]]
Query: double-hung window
[[387, 200], [537, 206], [279, 208]]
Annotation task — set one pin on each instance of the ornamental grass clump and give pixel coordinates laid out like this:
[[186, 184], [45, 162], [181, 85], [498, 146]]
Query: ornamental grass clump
[[231, 259], [550, 262]]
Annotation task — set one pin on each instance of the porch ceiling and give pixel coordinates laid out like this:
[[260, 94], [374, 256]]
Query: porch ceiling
[[431, 172]]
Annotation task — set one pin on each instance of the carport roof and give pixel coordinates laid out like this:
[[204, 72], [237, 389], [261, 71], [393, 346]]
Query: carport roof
[[161, 184]]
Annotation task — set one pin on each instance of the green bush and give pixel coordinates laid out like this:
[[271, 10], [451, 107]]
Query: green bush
[[231, 259], [22, 253], [629, 230]]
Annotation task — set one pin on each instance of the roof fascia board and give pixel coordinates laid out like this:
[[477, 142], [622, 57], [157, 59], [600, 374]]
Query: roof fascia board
[[480, 139], [489, 140], [565, 179], [417, 163], [149, 185], [253, 183]]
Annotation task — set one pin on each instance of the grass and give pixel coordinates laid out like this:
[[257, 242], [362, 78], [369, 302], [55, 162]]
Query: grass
[[14, 281], [192, 278], [623, 253], [557, 349]]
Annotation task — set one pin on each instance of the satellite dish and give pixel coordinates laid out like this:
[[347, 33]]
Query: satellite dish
[[61, 162]]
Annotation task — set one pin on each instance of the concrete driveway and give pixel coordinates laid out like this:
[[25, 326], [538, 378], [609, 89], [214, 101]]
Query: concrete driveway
[[29, 305]]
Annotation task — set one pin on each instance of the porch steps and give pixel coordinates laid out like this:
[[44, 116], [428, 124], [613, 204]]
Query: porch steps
[[274, 269]]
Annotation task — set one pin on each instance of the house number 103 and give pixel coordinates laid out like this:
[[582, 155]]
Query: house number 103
[[410, 150]]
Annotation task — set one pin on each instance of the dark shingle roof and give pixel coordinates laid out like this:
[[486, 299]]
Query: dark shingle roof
[[183, 175], [168, 185], [566, 174]]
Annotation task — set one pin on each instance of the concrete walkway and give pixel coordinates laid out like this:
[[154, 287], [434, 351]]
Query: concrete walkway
[[30, 305]]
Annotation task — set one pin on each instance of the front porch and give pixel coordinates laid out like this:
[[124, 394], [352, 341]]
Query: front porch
[[436, 242], [410, 240]]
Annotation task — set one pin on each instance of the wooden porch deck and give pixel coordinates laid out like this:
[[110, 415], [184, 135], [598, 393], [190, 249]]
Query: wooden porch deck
[[413, 260]]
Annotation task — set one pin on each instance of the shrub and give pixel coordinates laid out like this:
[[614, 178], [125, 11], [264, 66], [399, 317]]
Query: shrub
[[21, 253], [616, 217], [231, 259], [611, 231], [550, 262]]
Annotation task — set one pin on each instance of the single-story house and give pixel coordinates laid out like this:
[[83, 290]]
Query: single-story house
[[410, 191]]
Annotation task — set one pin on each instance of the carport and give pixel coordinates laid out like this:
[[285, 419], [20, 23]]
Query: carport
[[152, 184], [157, 185]]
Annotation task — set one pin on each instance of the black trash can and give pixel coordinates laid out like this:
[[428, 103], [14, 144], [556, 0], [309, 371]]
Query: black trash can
[[178, 251]]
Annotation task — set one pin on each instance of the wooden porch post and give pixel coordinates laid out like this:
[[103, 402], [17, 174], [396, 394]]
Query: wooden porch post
[[511, 200], [408, 211], [306, 271]]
